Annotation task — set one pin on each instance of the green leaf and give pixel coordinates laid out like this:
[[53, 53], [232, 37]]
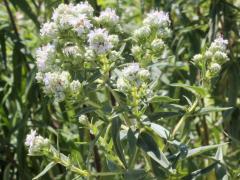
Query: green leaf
[[199, 172], [158, 129], [147, 144], [46, 169], [207, 110], [165, 115], [202, 149], [199, 91], [26, 8], [116, 124], [163, 99]]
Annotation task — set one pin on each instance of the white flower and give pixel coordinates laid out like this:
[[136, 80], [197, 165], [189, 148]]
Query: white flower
[[136, 51], [157, 19], [108, 17], [131, 69], [71, 50], [63, 14], [35, 143], [84, 8], [220, 57], [80, 24], [144, 73], [219, 44], [113, 39], [98, 40], [55, 83], [39, 76], [44, 54], [157, 45], [198, 58], [142, 32], [83, 119], [49, 29], [75, 86], [121, 84], [31, 138]]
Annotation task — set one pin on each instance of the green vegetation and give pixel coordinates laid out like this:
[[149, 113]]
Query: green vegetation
[[181, 123]]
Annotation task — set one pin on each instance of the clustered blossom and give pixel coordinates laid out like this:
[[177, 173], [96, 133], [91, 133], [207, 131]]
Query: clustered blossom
[[134, 81], [35, 143], [108, 17], [49, 29], [132, 76], [65, 16], [74, 39], [157, 19], [99, 41], [149, 37], [214, 57], [44, 55]]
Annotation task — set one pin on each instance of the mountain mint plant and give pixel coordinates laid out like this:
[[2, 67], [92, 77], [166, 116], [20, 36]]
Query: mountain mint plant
[[110, 80]]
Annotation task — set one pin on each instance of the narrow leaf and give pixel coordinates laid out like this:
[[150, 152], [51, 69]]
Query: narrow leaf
[[194, 89], [116, 124], [147, 143], [200, 150], [46, 169]]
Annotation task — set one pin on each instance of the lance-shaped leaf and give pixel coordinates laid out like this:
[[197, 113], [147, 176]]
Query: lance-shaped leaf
[[147, 144], [116, 124], [199, 91], [200, 172], [207, 110], [158, 129], [202, 149], [162, 99], [45, 170]]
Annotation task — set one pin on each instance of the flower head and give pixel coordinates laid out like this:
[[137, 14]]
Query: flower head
[[44, 55], [108, 17], [80, 24], [157, 19], [35, 143], [98, 40], [49, 29]]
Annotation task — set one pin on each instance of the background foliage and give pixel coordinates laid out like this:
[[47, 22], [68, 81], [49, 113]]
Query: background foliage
[[23, 105]]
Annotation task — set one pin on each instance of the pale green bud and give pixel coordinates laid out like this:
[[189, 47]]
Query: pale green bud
[[83, 119], [142, 33], [213, 70], [157, 45], [198, 59], [136, 51]]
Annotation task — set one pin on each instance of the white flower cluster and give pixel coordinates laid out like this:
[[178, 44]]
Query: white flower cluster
[[71, 16], [108, 17], [99, 41], [132, 76], [157, 19], [36, 143], [44, 57], [214, 57], [149, 37], [75, 39]]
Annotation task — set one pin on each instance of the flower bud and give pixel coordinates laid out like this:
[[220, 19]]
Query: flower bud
[[75, 86], [36, 144], [83, 119], [213, 70], [142, 33], [220, 57], [157, 45], [198, 59], [136, 51]]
